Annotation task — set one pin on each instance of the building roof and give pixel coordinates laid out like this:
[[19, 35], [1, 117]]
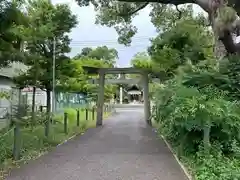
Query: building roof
[[13, 70], [133, 87]]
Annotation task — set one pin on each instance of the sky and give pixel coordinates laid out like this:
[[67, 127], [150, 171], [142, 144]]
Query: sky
[[87, 34]]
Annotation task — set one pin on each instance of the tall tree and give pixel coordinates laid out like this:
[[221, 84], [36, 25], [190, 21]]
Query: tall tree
[[223, 16], [180, 41], [107, 55], [11, 22], [49, 25], [142, 60]]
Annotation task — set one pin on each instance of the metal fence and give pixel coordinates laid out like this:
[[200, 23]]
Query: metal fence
[[70, 100], [14, 99], [10, 99], [24, 136], [25, 130]]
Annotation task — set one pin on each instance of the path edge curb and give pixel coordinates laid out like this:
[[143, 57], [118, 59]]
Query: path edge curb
[[177, 159], [65, 141]]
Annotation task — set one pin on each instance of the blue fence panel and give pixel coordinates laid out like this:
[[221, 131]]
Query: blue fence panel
[[70, 100]]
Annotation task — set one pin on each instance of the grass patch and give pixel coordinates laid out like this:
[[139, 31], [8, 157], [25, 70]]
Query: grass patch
[[86, 119], [34, 143], [212, 166]]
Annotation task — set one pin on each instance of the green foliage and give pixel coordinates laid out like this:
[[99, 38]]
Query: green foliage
[[46, 22], [142, 60], [34, 140], [231, 69], [119, 14], [81, 81], [45, 39], [180, 45], [103, 53], [184, 113], [11, 21], [4, 95], [213, 167], [198, 100], [179, 42], [205, 73]]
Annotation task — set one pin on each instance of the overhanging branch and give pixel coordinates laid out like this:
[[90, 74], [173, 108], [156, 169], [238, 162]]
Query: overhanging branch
[[226, 39], [135, 10], [204, 4], [180, 12], [174, 2]]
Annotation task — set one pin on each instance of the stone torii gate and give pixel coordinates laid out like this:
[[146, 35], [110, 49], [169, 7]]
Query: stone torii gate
[[103, 71]]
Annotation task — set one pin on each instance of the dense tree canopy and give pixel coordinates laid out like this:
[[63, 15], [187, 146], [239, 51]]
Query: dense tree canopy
[[45, 39], [11, 22], [49, 25], [108, 55], [142, 60], [180, 40]]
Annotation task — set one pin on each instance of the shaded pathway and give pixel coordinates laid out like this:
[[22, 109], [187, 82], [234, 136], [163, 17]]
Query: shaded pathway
[[123, 149]]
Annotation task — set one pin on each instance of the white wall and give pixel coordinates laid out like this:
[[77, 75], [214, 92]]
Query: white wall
[[40, 98], [5, 86]]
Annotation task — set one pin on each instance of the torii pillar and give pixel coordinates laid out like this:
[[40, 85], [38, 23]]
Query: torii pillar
[[147, 113], [100, 100]]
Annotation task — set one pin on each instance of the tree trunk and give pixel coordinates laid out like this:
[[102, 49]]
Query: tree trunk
[[219, 49], [48, 113], [33, 106], [48, 101], [206, 139]]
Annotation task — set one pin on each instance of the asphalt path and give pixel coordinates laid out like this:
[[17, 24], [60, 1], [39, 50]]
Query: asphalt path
[[124, 148]]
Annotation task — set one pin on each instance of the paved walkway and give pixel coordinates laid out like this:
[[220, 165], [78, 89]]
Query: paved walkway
[[123, 149]]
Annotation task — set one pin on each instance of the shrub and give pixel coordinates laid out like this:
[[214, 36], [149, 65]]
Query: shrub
[[190, 117], [203, 125]]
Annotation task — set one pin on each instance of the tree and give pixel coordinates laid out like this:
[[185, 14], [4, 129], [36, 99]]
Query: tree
[[180, 41], [49, 24], [85, 52], [11, 22], [223, 16], [142, 60], [30, 78], [108, 55], [81, 81]]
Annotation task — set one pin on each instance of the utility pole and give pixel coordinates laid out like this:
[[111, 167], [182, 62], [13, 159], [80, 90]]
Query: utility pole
[[53, 78]]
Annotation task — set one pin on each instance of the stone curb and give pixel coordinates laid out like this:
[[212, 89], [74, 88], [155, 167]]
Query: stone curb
[[176, 158]]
